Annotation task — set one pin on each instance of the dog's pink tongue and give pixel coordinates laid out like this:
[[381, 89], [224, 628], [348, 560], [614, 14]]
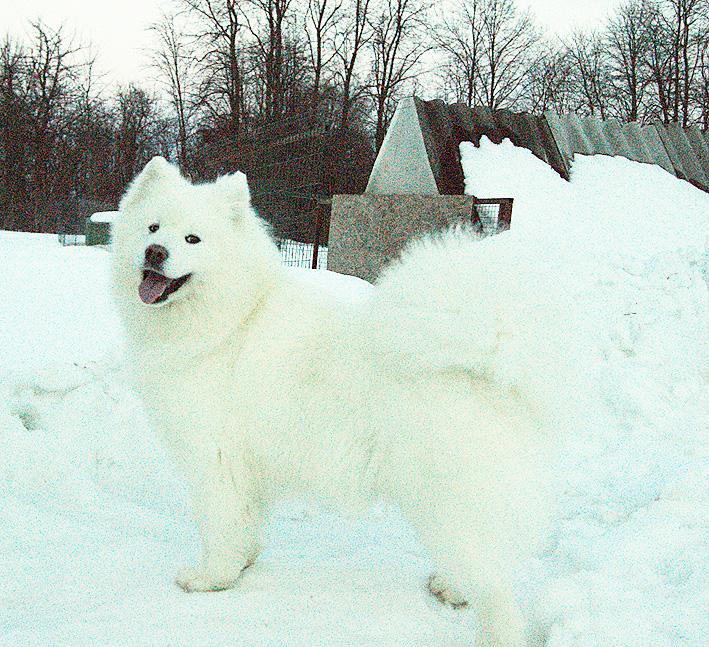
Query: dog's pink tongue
[[152, 287]]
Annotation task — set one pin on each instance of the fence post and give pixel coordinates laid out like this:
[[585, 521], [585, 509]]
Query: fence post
[[475, 216], [505, 214], [318, 234]]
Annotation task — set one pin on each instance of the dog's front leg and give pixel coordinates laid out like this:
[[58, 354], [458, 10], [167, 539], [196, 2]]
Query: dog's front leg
[[228, 519]]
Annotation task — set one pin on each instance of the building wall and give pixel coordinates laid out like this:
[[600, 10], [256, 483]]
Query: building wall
[[368, 231]]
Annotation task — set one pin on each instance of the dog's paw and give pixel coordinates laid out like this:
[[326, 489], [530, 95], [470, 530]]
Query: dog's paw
[[191, 580], [445, 593]]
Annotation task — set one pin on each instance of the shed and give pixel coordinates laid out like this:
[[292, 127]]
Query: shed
[[98, 227], [418, 171]]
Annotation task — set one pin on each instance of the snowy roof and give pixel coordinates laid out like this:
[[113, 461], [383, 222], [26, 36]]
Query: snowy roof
[[104, 216], [420, 153]]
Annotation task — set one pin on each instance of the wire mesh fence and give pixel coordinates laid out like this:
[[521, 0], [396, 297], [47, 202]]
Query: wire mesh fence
[[297, 254], [285, 161], [494, 214], [71, 240], [71, 215]]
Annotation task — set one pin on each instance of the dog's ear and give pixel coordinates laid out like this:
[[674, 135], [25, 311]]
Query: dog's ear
[[157, 171], [235, 188]]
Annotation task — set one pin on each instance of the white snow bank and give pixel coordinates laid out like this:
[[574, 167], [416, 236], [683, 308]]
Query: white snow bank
[[55, 306], [628, 245], [104, 216], [611, 204], [349, 289]]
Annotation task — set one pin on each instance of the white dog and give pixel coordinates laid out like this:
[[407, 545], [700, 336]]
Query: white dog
[[261, 385]]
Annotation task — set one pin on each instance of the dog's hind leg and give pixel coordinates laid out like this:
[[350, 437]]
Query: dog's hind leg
[[471, 575], [474, 561]]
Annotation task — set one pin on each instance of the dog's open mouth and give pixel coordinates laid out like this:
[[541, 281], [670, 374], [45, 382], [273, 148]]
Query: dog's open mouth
[[156, 288]]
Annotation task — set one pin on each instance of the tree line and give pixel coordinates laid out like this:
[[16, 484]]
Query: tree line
[[228, 78]]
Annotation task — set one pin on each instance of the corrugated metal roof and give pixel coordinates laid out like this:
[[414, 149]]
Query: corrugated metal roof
[[700, 144], [445, 126], [570, 136], [646, 139], [685, 157], [591, 136], [555, 139], [533, 132]]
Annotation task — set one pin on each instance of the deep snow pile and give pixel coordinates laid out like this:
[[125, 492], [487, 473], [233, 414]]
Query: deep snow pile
[[630, 559], [94, 522]]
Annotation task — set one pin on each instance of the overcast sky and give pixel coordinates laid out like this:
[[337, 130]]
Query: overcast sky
[[118, 30]]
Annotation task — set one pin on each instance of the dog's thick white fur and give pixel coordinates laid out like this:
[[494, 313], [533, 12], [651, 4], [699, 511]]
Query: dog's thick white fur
[[261, 386]]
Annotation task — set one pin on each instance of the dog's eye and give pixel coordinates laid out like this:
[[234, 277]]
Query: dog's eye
[[192, 239], [153, 228]]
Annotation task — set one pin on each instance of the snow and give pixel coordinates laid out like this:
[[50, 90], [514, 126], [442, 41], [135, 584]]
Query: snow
[[629, 564], [349, 289], [94, 521], [104, 216]]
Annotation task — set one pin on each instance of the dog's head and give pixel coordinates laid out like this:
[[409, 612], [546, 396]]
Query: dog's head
[[175, 241]]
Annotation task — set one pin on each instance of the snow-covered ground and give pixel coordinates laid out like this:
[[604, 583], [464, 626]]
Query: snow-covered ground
[[629, 564], [94, 522]]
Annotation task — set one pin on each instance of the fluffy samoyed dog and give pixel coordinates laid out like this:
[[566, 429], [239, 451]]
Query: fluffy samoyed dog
[[428, 394]]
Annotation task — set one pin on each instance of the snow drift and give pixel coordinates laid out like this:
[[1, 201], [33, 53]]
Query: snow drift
[[629, 557]]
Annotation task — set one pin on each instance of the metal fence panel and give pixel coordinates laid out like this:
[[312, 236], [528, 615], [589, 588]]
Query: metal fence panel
[[532, 133], [647, 145], [494, 214], [680, 152], [690, 162], [297, 254]]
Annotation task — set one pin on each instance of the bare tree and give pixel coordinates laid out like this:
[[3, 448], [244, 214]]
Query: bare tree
[[321, 19], [62, 143], [677, 36], [140, 132], [689, 18], [220, 53], [53, 68], [547, 86], [509, 49], [271, 48], [647, 61], [590, 73], [460, 38], [659, 63], [88, 139], [490, 49], [703, 85], [397, 47], [175, 64], [354, 36], [627, 46], [14, 131]]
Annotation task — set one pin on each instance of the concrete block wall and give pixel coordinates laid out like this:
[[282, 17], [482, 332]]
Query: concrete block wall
[[368, 231]]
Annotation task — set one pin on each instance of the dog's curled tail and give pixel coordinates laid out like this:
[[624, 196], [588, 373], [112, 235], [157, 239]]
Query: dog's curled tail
[[488, 307]]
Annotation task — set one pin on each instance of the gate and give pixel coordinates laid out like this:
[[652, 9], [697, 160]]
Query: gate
[[493, 214]]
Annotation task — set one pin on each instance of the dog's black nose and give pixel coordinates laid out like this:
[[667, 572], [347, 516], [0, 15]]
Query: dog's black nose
[[155, 255]]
